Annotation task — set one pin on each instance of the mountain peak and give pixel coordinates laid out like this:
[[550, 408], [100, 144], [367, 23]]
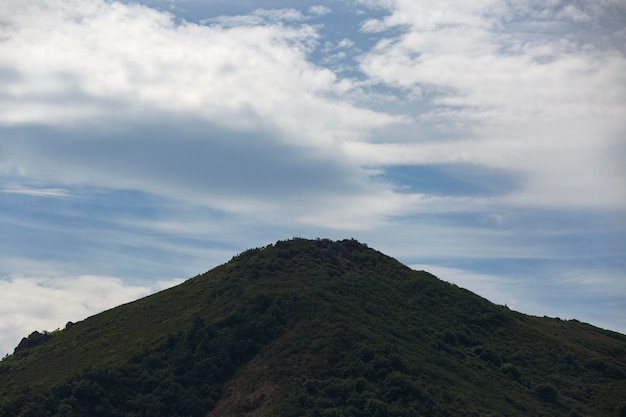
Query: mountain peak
[[317, 327]]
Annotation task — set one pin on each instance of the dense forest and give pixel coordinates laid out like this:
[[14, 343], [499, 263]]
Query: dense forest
[[316, 328]]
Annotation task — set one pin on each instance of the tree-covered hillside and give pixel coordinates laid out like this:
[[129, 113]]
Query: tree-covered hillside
[[317, 328]]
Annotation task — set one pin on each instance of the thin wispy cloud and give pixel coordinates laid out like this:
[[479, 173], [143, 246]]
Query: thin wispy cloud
[[37, 192], [258, 17]]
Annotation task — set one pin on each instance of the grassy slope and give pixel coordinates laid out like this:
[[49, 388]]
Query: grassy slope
[[350, 331]]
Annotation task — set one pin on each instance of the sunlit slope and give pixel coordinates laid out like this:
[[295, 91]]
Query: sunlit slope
[[315, 327]]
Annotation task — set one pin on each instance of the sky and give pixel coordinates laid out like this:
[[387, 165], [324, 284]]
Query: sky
[[143, 143]]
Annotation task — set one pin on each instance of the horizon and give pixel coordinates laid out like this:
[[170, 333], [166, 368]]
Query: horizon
[[142, 142]]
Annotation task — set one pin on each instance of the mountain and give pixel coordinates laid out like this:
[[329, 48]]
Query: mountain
[[316, 328]]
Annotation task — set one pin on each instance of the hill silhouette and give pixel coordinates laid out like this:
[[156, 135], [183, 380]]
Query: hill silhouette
[[316, 328]]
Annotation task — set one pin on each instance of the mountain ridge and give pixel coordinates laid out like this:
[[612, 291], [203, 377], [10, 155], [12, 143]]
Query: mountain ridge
[[317, 327]]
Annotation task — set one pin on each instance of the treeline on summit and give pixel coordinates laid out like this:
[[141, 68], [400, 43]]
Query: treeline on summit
[[318, 328]]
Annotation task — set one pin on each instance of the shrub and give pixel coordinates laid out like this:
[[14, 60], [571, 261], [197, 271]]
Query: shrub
[[546, 392], [449, 337], [511, 370], [491, 357]]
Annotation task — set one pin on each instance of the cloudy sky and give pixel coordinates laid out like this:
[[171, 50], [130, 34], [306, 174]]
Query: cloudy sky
[[142, 143]]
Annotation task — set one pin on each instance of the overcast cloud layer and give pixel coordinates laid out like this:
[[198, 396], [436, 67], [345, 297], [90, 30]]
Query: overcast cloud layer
[[143, 143]]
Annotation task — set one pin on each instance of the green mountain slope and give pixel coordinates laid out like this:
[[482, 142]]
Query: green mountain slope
[[317, 328]]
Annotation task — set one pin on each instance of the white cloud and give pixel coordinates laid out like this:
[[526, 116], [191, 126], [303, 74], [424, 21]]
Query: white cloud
[[102, 73], [574, 13], [47, 303], [69, 62], [540, 104], [319, 10], [258, 17], [345, 43], [544, 106], [373, 26]]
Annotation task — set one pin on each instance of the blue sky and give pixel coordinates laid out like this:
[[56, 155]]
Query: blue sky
[[142, 143]]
